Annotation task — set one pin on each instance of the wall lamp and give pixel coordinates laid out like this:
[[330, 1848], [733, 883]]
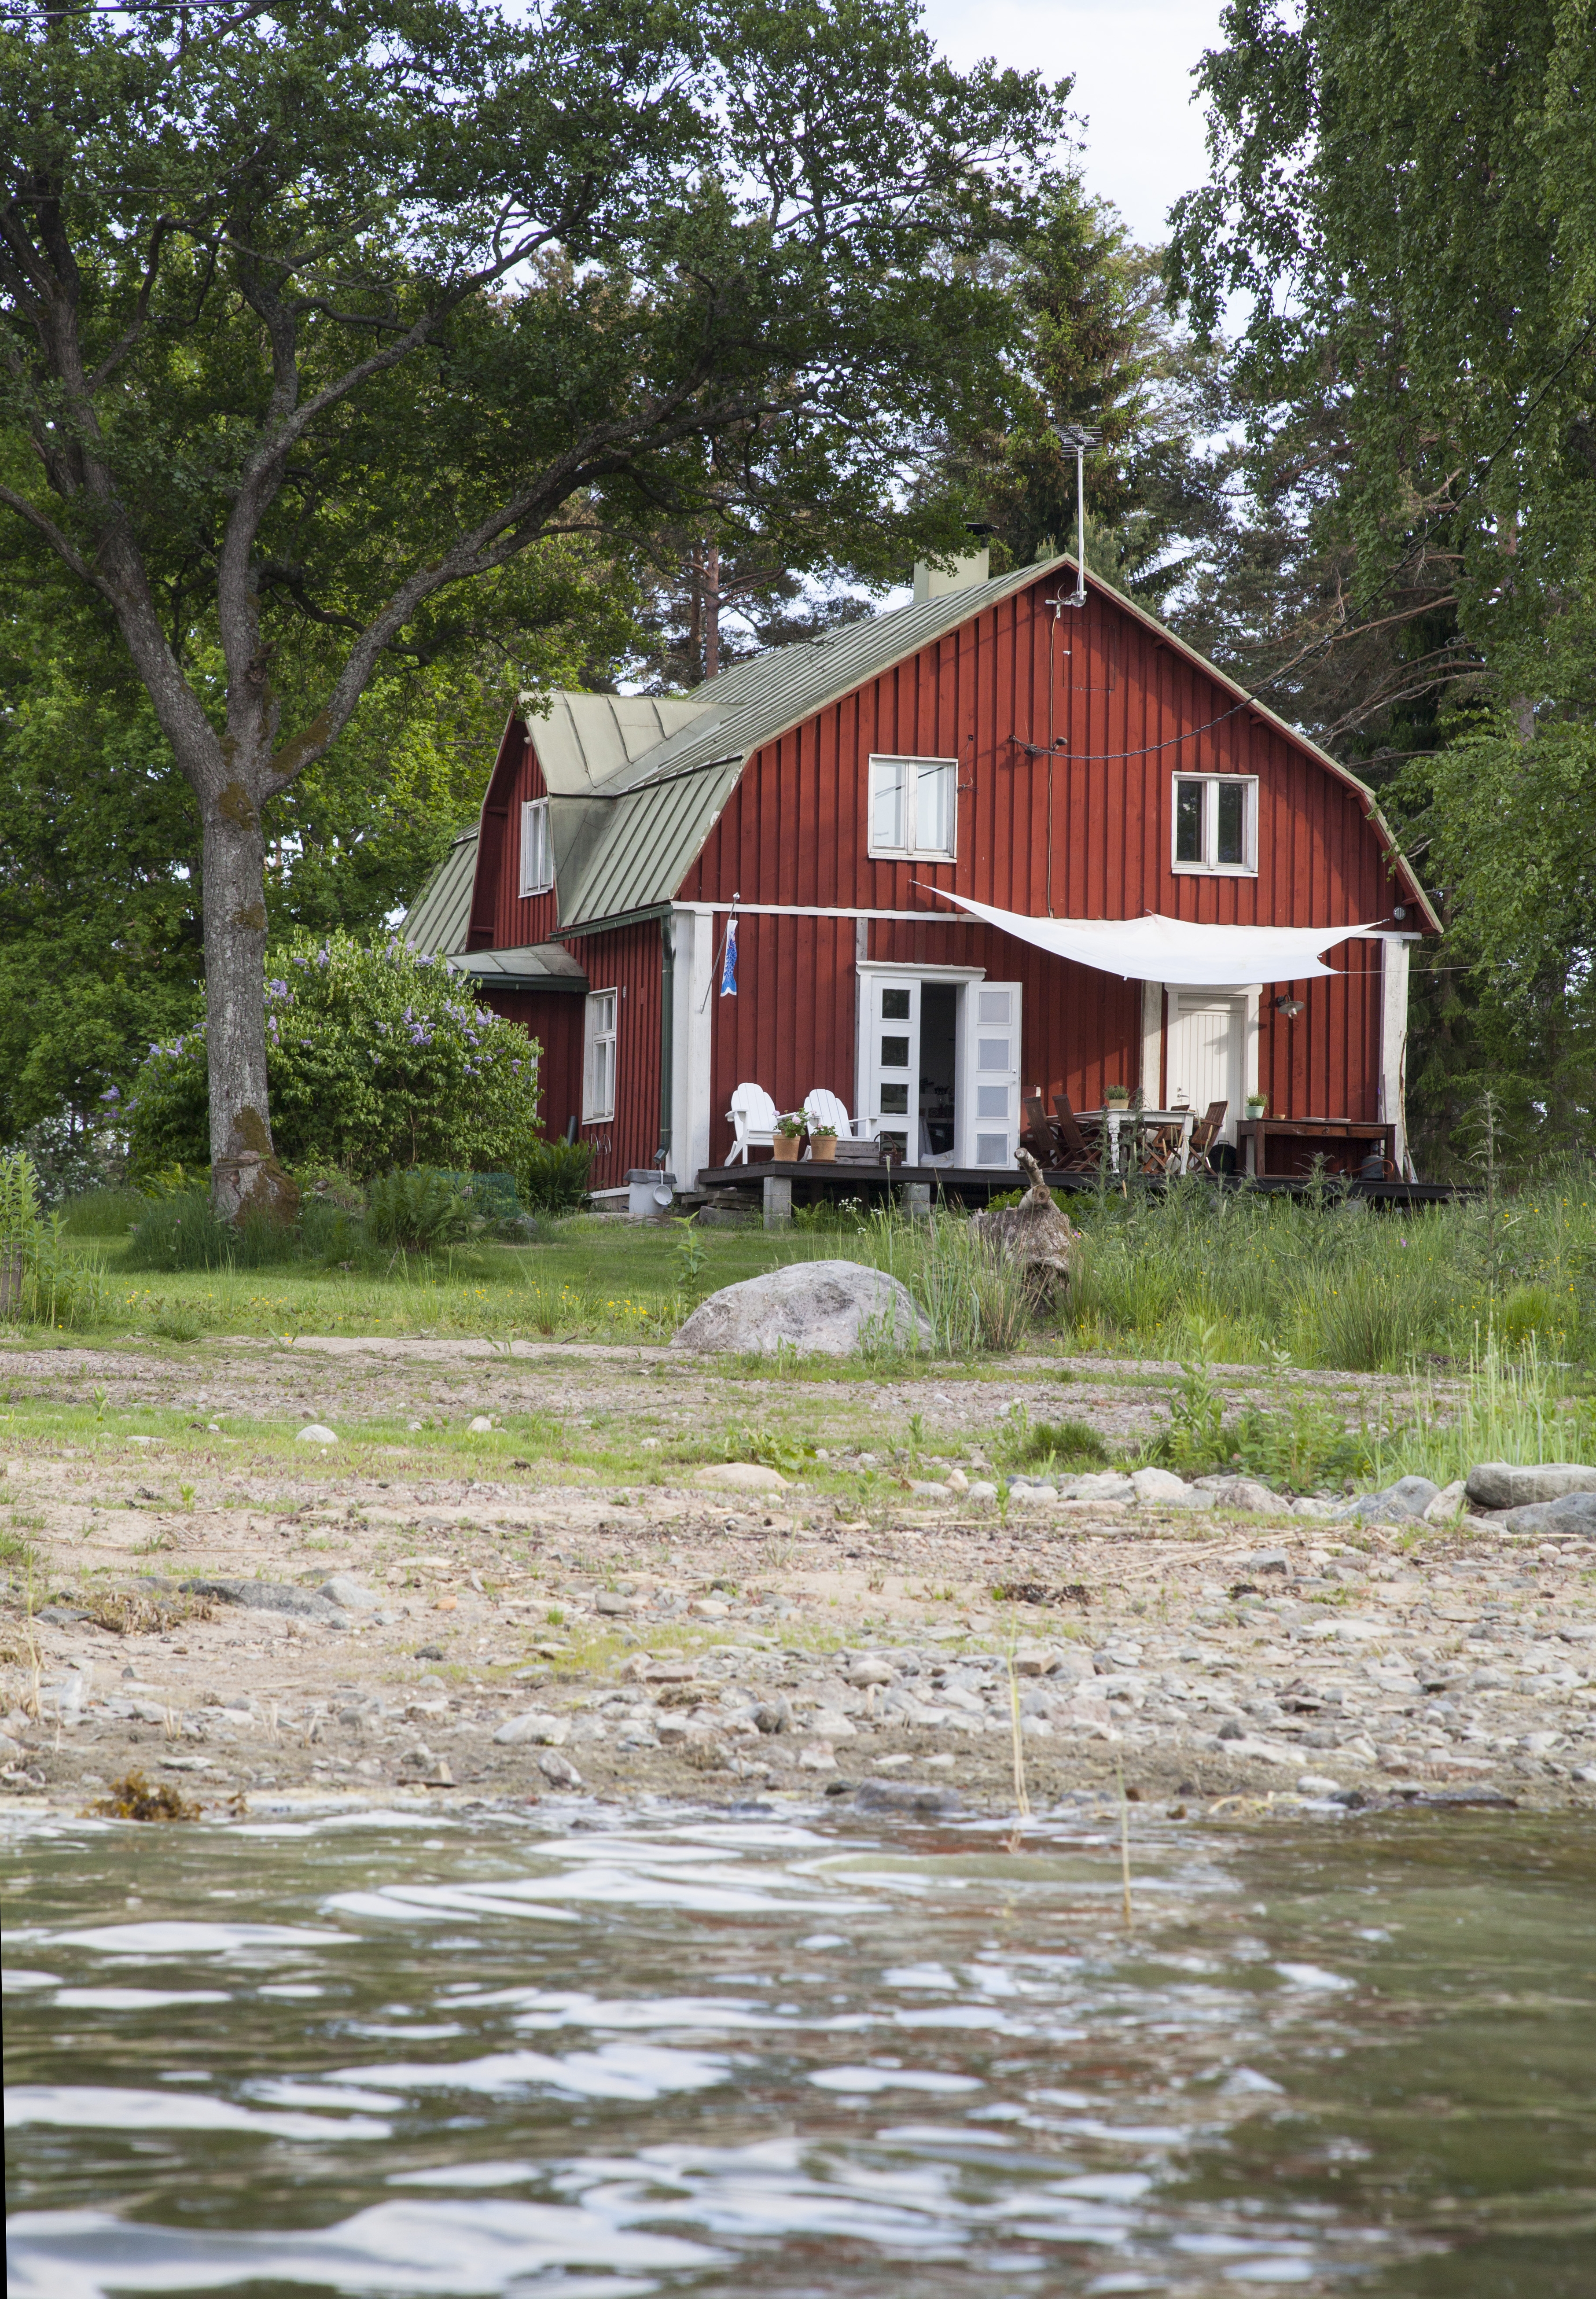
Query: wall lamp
[[1289, 1006]]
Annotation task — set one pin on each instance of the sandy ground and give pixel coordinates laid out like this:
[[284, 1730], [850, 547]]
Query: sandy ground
[[547, 1622]]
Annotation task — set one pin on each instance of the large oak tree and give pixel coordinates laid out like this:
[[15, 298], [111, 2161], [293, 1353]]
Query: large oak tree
[[315, 318]]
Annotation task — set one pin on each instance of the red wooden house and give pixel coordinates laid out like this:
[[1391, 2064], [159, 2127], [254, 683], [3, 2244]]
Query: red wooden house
[[1052, 759]]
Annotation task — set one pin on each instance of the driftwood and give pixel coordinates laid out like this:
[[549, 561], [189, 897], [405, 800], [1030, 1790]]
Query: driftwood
[[1034, 1234]]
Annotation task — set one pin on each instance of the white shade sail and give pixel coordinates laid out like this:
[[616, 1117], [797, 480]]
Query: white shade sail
[[1156, 948]]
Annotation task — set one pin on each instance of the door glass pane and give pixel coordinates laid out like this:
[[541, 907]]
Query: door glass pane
[[992, 1007], [1188, 822], [991, 1101], [993, 1054], [1233, 800], [889, 802], [934, 807], [900, 1141], [895, 1005], [992, 1149], [895, 1053], [894, 1099]]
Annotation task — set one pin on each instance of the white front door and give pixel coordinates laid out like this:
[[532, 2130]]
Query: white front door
[[989, 1101], [1207, 1053], [892, 1063]]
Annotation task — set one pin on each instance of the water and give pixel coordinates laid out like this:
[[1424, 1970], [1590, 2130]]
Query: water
[[755, 2055]]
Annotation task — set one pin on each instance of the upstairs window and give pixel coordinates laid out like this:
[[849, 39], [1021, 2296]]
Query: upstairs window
[[537, 856], [1216, 823], [598, 1062], [914, 809]]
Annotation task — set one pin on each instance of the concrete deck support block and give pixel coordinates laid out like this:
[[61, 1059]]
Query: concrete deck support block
[[779, 1201], [916, 1199]]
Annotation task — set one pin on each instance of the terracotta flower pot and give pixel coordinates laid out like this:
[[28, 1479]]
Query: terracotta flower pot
[[822, 1149], [786, 1147]]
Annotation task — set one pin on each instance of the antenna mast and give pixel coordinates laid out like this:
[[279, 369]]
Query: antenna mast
[[1082, 437]]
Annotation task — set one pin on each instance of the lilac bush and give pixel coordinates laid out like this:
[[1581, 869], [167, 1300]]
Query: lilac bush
[[375, 1056]]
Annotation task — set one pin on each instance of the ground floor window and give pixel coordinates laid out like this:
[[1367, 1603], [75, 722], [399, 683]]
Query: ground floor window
[[598, 1058]]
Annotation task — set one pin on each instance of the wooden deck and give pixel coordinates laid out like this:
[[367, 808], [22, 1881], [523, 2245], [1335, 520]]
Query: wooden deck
[[973, 1186]]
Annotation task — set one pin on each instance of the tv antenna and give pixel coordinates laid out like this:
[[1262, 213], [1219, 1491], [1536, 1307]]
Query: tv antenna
[[1083, 438]]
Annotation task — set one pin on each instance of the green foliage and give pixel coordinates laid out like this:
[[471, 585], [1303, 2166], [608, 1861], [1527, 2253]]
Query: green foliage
[[414, 1208], [181, 1232], [974, 1303], [767, 1446], [104, 1213], [374, 1054], [1055, 1444], [20, 1216], [553, 1176], [1305, 1449]]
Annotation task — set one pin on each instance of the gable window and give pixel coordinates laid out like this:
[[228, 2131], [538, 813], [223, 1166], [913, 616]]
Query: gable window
[[537, 859], [598, 1058], [1216, 823], [914, 809]]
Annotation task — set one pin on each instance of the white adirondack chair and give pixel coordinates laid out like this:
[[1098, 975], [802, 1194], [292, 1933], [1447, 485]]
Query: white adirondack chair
[[821, 1107], [753, 1118]]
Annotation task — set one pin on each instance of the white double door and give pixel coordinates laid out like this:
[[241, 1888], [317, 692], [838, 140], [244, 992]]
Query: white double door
[[1206, 1051], [939, 1064]]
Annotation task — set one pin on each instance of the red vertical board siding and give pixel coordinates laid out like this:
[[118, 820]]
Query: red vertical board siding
[[554, 1019], [1085, 831], [629, 960]]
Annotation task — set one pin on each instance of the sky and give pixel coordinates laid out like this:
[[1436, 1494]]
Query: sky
[[1132, 60]]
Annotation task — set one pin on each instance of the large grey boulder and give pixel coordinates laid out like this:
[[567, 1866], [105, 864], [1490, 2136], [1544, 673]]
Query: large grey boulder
[[1573, 1513], [824, 1308], [1501, 1485], [272, 1597]]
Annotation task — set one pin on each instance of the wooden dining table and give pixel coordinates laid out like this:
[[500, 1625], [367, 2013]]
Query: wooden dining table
[[1114, 1118]]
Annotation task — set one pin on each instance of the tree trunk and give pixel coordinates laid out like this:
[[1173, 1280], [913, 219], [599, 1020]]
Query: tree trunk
[[244, 1172]]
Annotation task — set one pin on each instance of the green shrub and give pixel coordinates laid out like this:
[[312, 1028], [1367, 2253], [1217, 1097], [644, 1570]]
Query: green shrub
[[376, 1056], [1303, 1448], [1533, 1310], [104, 1213], [58, 1288], [1058, 1444], [182, 1232], [414, 1208], [553, 1176]]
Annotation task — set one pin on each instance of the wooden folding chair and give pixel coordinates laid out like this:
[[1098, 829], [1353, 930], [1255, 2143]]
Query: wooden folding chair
[[1077, 1155], [1036, 1133], [1204, 1134]]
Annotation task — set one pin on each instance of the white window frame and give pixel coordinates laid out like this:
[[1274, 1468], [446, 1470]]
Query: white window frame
[[599, 1032], [913, 851], [1210, 866], [535, 848]]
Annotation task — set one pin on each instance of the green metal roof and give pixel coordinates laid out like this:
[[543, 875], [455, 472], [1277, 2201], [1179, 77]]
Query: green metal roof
[[438, 917]]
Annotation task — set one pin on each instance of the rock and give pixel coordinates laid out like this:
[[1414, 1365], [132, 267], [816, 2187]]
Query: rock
[[613, 1605], [957, 1482], [1573, 1513], [742, 1477], [1162, 1489], [557, 1772], [535, 1725], [831, 1724], [817, 1757], [667, 1672], [928, 1490], [1447, 1503], [1500, 1485], [1317, 1784], [1268, 1560], [820, 1308], [1098, 1485], [774, 1716], [982, 1492], [313, 1433], [906, 1796], [1312, 1504], [344, 1590], [1409, 1496], [868, 1668], [1247, 1493], [1035, 1235], [481, 1425], [272, 1596]]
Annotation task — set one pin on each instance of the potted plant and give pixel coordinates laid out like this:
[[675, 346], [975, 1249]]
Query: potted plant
[[788, 1137], [1117, 1097], [1257, 1105], [822, 1144]]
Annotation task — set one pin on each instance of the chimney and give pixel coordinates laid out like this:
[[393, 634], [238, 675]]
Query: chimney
[[974, 567]]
